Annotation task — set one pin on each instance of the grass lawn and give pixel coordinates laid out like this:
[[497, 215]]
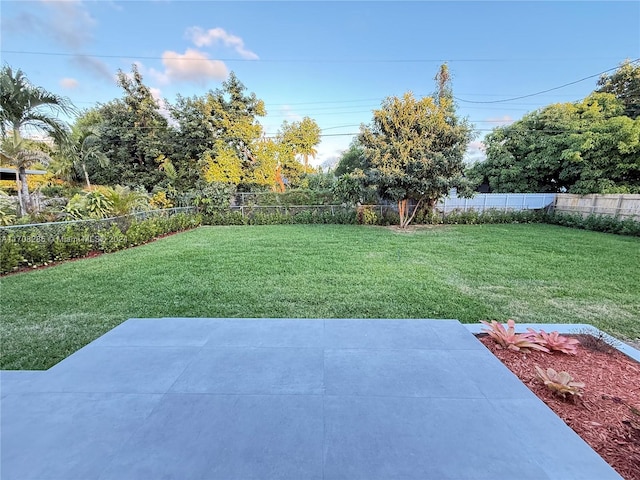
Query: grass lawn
[[531, 273]]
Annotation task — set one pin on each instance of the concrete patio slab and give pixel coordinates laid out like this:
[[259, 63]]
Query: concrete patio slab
[[67, 436], [254, 371], [180, 398]]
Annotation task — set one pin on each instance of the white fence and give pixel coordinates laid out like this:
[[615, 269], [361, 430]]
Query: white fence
[[497, 201]]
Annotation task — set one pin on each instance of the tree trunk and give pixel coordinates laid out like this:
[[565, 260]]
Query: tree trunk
[[23, 192], [22, 209], [403, 209], [86, 175]]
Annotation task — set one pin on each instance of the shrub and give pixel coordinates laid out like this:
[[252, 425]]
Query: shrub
[[140, 232], [55, 242], [10, 257], [7, 210], [113, 240], [366, 215], [98, 205], [213, 197], [598, 223], [34, 247], [159, 200]]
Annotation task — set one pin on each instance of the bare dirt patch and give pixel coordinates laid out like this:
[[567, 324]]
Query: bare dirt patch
[[607, 416]]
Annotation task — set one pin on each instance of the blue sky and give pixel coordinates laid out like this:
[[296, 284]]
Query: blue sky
[[333, 61]]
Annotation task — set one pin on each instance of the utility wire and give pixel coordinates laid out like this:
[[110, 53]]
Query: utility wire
[[302, 60], [545, 91]]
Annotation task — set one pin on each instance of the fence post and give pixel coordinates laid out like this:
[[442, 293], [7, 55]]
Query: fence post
[[465, 205], [593, 204], [619, 206], [506, 201], [484, 203]]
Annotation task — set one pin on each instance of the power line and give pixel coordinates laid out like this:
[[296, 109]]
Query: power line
[[545, 91], [305, 60]]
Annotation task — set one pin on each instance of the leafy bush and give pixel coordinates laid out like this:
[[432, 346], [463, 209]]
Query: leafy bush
[[140, 232], [112, 240], [75, 241], [33, 247], [222, 217], [10, 256], [56, 242], [598, 223], [366, 215], [98, 205], [160, 201], [124, 200], [213, 197]]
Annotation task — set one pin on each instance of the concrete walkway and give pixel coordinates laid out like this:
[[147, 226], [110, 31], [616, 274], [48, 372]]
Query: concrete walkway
[[191, 398]]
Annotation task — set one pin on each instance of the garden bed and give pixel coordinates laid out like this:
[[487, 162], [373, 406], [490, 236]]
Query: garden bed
[[607, 416]]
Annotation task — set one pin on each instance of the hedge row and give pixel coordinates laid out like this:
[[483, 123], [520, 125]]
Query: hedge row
[[280, 217], [598, 223], [35, 246]]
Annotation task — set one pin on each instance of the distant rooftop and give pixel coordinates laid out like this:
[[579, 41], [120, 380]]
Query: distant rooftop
[[7, 173]]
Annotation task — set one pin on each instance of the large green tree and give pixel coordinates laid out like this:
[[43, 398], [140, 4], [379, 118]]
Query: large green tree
[[24, 106], [624, 83], [583, 147], [301, 138], [351, 159], [414, 150], [132, 133], [218, 135]]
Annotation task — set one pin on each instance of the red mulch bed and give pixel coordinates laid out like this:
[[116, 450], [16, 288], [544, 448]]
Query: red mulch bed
[[607, 416]]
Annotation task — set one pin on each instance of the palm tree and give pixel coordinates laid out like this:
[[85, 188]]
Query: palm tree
[[84, 147], [23, 106]]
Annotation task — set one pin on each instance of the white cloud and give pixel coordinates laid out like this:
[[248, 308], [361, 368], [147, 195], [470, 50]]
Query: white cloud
[[66, 22], [156, 93], [69, 83], [476, 152], [201, 38], [192, 66], [70, 23]]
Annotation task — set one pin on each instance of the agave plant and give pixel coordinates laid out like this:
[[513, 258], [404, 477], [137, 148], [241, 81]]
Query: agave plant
[[560, 383], [556, 342], [509, 339]]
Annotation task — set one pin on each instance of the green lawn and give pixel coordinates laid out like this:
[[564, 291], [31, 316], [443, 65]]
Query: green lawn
[[531, 273]]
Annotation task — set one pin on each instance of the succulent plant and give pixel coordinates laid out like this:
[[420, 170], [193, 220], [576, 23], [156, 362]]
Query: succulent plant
[[561, 383], [509, 339], [556, 342]]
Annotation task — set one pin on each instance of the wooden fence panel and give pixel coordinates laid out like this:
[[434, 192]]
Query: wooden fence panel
[[622, 205]]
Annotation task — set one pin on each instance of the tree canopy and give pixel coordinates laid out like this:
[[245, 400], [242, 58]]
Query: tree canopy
[[583, 147], [414, 150], [23, 105], [624, 83], [301, 138], [351, 159]]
